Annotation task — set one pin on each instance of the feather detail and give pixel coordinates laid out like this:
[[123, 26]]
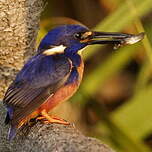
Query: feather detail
[[38, 80]]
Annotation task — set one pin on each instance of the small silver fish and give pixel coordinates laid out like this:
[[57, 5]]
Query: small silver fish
[[131, 39]]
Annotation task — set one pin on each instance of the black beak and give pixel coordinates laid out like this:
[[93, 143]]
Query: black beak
[[118, 39]]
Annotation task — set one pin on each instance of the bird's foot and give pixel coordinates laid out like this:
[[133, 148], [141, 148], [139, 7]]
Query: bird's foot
[[51, 119], [54, 119]]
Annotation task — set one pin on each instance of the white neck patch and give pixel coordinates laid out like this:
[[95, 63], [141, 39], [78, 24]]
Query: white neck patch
[[54, 50]]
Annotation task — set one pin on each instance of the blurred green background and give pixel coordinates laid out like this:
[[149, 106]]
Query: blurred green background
[[114, 101]]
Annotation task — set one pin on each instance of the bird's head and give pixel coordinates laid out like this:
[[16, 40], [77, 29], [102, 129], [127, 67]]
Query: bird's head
[[74, 37]]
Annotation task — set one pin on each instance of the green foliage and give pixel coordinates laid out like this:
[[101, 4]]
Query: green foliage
[[110, 67], [120, 19]]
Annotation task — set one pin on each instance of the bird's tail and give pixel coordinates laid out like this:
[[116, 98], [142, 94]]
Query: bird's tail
[[12, 129], [12, 132], [7, 119]]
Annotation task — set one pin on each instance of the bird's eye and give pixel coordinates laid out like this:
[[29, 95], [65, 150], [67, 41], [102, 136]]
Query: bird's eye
[[83, 35], [77, 36]]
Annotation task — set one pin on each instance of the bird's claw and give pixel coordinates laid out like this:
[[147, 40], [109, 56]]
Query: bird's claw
[[46, 119]]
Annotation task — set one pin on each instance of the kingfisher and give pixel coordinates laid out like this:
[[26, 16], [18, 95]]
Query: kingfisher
[[54, 74]]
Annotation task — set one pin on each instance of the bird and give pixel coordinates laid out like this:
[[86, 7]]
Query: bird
[[54, 73]]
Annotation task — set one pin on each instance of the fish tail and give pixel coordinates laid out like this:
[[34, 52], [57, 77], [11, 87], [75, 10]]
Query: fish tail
[[12, 132]]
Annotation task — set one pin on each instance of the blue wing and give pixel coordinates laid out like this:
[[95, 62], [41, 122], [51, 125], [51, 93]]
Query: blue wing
[[39, 78]]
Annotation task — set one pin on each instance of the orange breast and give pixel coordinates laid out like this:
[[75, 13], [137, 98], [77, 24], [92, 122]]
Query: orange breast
[[63, 93]]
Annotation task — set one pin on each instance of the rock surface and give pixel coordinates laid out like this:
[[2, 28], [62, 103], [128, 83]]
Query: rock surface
[[19, 23], [48, 138]]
